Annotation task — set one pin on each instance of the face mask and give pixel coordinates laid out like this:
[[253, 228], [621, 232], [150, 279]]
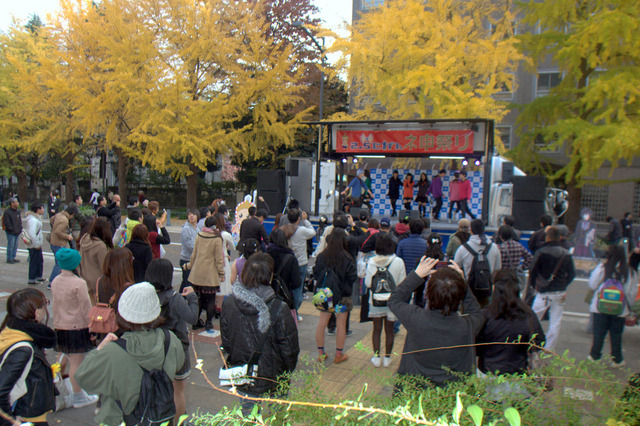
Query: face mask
[[585, 217]]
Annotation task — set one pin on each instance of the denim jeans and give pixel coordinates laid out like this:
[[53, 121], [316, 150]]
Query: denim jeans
[[12, 246], [299, 292], [35, 264], [56, 268], [614, 325]]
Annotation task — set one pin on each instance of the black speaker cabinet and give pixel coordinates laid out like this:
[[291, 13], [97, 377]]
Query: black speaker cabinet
[[276, 201], [291, 167], [271, 180], [528, 214], [413, 214], [355, 212], [529, 188]]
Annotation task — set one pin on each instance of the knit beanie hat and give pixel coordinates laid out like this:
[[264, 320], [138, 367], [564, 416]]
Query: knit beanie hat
[[68, 259], [139, 304]]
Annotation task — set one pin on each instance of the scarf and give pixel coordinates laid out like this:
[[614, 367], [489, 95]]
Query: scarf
[[42, 335]]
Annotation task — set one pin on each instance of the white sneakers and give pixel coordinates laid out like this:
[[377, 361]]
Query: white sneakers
[[381, 362], [82, 399]]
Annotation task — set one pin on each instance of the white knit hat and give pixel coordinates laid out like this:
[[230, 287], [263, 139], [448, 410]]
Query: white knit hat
[[139, 304]]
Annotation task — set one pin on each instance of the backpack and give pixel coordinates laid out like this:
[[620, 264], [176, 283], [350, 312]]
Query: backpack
[[280, 288], [479, 279], [328, 293], [611, 298], [382, 284], [26, 239], [120, 236], [155, 404]]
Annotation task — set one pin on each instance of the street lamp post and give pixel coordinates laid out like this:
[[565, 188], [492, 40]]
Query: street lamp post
[[320, 112]]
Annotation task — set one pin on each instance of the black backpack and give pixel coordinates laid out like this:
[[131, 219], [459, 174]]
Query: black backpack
[[480, 280], [155, 403], [382, 284]]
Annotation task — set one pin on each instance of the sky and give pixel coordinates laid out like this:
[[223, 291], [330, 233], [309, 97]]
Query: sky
[[333, 12]]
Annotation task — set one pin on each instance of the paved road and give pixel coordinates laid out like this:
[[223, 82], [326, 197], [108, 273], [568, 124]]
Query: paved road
[[200, 396]]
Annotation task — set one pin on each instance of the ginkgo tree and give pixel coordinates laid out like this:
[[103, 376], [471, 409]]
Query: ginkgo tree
[[592, 116], [436, 59]]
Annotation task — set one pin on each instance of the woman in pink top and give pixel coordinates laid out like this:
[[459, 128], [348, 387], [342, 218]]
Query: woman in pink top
[[71, 306], [407, 193]]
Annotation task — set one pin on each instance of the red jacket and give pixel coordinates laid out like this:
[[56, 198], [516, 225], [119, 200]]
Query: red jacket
[[465, 189]]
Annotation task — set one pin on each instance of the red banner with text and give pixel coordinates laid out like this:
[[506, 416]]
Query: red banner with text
[[404, 142]]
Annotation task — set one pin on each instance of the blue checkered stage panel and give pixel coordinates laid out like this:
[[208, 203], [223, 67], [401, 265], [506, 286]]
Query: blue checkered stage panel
[[380, 182]]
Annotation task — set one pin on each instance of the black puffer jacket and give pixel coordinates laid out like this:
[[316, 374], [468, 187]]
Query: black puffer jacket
[[245, 317], [40, 396], [142, 257], [544, 263]]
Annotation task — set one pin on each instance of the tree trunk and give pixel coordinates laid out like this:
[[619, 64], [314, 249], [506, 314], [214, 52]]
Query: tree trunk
[[123, 168], [573, 212], [68, 175], [23, 182], [192, 187]]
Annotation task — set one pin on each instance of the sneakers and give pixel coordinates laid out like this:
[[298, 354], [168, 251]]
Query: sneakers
[[349, 333], [299, 318], [376, 361], [331, 331], [618, 364], [590, 358], [32, 283], [42, 280], [81, 399], [340, 357], [386, 362]]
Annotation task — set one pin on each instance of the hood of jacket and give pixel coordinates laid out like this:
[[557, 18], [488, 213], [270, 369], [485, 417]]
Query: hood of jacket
[[9, 337], [252, 302], [402, 228], [89, 244], [273, 249], [35, 215], [146, 347], [208, 233], [382, 260]]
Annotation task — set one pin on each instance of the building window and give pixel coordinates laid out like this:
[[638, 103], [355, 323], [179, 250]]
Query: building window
[[636, 203], [370, 4], [597, 199], [504, 133], [546, 82]]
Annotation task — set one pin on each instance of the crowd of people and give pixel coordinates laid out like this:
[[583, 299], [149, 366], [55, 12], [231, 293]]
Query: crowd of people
[[115, 309]]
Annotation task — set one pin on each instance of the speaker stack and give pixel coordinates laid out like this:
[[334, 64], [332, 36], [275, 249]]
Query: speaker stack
[[529, 193], [271, 186]]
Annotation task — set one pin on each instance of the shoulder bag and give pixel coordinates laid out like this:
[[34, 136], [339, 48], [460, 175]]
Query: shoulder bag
[[542, 282], [102, 316]]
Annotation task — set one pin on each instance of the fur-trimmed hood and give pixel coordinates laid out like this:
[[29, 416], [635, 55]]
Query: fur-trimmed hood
[[254, 302]]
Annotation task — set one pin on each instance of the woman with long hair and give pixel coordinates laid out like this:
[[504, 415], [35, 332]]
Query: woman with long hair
[[460, 237], [71, 306], [158, 234], [285, 264], [207, 268], [253, 311], [423, 198], [141, 251], [225, 285], [335, 270], [94, 246], [407, 192], [178, 310], [385, 259], [434, 247], [616, 269], [23, 336], [508, 319], [117, 275]]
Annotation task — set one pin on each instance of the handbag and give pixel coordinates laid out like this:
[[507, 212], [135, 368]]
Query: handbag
[[102, 317], [64, 397], [246, 373]]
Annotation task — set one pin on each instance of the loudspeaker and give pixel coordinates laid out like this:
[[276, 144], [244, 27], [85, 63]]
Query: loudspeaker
[[528, 214], [276, 201], [529, 188], [291, 167], [507, 171], [413, 214], [271, 180]]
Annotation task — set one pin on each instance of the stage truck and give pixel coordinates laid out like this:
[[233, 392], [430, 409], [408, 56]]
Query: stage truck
[[421, 146]]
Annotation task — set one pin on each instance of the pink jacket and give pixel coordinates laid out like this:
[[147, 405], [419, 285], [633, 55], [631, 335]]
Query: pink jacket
[[71, 303], [465, 190], [455, 189]]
